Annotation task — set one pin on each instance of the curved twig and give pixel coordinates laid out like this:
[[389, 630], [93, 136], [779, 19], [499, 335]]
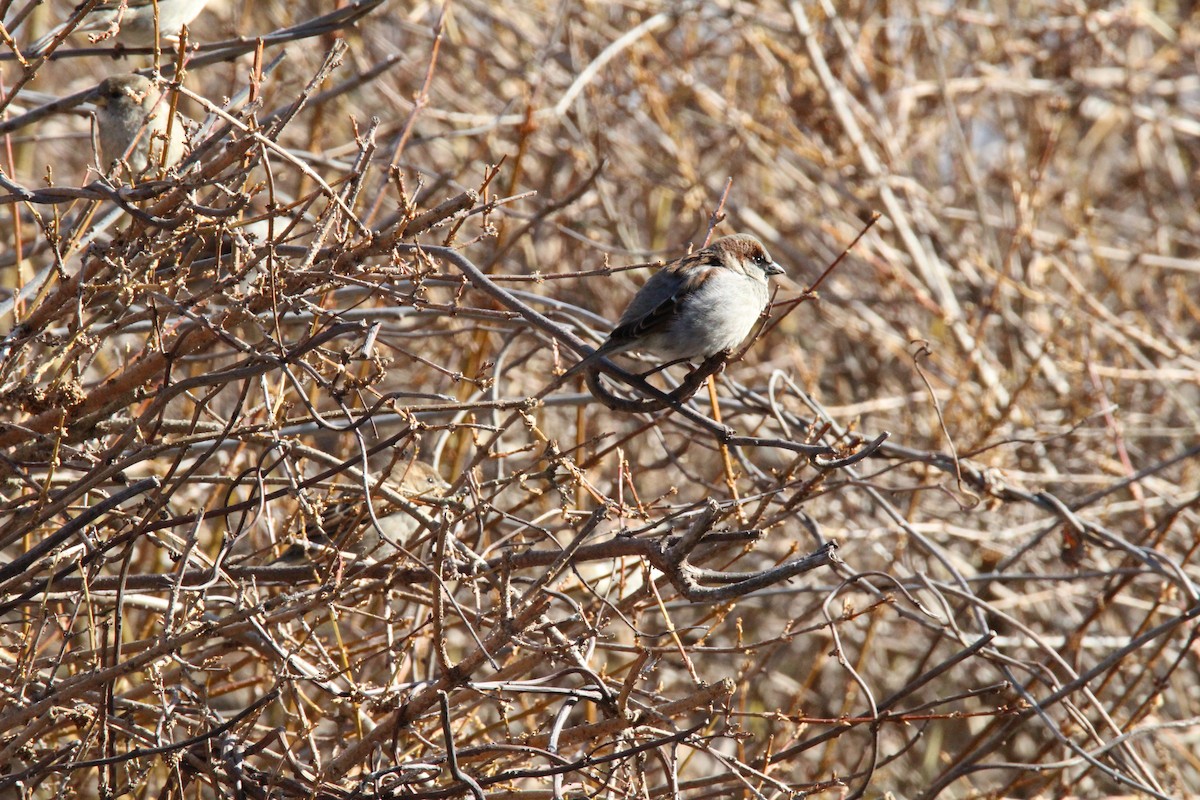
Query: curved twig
[[659, 401]]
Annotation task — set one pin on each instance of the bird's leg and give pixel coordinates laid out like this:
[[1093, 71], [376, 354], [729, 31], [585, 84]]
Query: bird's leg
[[661, 367]]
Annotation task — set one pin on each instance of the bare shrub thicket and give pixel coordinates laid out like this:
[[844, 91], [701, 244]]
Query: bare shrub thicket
[[346, 322]]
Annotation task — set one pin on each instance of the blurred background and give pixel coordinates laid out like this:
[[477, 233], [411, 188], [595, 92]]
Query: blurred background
[[201, 372]]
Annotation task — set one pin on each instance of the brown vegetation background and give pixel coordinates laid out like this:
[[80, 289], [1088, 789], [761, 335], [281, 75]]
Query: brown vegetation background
[[607, 604]]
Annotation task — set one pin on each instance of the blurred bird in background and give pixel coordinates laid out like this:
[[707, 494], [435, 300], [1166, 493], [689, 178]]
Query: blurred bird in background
[[134, 124], [128, 22], [347, 525]]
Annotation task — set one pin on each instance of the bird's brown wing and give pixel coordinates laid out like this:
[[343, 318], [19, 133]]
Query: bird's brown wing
[[657, 303]]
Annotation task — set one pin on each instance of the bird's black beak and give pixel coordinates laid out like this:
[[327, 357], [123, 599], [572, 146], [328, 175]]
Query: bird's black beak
[[774, 269]]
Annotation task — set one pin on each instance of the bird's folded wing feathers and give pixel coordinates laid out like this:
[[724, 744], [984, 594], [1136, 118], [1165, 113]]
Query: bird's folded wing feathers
[[659, 300], [648, 322]]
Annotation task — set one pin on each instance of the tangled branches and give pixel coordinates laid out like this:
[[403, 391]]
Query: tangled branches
[[299, 499]]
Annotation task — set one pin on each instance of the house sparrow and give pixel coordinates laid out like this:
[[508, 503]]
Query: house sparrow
[[131, 117], [132, 21], [348, 524], [695, 306]]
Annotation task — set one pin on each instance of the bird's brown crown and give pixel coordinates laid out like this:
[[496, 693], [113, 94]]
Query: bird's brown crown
[[742, 252]]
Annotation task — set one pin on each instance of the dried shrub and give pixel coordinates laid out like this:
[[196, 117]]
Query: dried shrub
[[295, 502]]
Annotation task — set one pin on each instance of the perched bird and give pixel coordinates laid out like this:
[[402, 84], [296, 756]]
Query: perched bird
[[131, 118], [131, 20], [348, 524], [695, 306]]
